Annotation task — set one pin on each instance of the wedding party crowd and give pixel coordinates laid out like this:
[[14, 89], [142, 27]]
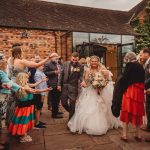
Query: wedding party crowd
[[83, 86]]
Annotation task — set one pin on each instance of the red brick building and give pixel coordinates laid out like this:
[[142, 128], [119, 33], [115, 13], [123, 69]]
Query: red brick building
[[42, 27]]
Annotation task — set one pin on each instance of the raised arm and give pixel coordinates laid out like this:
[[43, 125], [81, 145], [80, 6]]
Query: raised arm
[[32, 64]]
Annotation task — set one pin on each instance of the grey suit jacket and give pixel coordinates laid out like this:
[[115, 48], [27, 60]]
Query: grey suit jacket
[[70, 81]]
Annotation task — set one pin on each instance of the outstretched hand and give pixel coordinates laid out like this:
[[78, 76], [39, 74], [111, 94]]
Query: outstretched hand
[[49, 89], [147, 91], [29, 90], [6, 86]]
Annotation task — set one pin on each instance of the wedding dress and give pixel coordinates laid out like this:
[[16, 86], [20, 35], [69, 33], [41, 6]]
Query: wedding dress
[[93, 111]]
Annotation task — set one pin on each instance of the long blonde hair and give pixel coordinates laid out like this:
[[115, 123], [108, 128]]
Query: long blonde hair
[[96, 57], [22, 79], [101, 67]]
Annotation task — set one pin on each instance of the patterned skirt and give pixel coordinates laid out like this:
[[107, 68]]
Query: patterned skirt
[[22, 121]]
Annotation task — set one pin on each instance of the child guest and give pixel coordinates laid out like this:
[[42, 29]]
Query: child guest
[[39, 98], [23, 119]]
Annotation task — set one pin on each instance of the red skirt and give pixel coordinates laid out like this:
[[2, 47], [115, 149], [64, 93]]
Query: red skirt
[[22, 121], [133, 104]]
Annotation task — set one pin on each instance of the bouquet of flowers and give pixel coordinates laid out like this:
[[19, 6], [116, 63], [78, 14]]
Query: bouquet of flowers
[[98, 82]]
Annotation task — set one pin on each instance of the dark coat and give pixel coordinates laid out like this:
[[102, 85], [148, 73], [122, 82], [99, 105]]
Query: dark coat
[[70, 81], [0, 85], [32, 74], [147, 86], [133, 73], [49, 70], [147, 76], [117, 97]]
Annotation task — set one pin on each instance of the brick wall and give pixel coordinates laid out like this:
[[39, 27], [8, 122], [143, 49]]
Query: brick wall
[[142, 16], [34, 42]]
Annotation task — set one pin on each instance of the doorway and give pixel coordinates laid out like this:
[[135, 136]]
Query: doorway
[[90, 49]]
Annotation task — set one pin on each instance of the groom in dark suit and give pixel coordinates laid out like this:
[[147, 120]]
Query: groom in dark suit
[[69, 82]]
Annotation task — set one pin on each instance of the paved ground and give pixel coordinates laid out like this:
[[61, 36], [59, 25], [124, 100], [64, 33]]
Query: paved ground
[[57, 137]]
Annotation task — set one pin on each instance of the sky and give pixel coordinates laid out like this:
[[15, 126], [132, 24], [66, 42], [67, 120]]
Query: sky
[[123, 5]]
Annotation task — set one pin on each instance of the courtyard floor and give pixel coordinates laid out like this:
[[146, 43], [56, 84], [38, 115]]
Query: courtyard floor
[[57, 137]]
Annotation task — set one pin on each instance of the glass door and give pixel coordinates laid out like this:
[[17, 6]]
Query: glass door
[[90, 49]]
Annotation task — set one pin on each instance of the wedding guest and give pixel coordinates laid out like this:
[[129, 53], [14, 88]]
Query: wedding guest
[[5, 86], [88, 61], [17, 64], [4, 80], [23, 118], [145, 57], [39, 98], [132, 109], [139, 58], [82, 61], [53, 70], [147, 87]]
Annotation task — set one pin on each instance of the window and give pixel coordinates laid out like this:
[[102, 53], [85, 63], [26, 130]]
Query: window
[[105, 38], [127, 39], [79, 38]]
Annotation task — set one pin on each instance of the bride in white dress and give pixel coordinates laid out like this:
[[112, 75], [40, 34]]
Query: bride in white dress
[[93, 109]]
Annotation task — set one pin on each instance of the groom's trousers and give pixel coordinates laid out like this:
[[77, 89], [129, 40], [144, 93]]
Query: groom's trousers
[[69, 105]]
